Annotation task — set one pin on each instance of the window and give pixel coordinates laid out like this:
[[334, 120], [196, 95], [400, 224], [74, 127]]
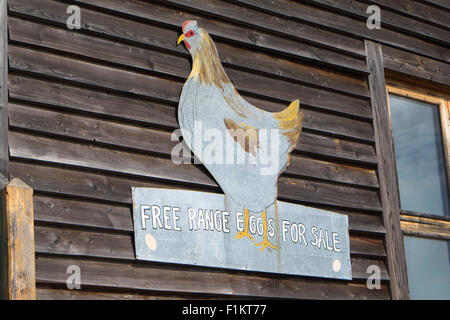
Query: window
[[421, 137]]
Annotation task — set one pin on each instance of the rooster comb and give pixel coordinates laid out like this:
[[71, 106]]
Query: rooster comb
[[189, 25]]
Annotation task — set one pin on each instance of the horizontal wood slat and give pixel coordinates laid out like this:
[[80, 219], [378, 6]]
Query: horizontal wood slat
[[58, 240], [440, 4], [416, 66], [174, 63], [160, 142], [148, 86], [140, 277], [389, 19], [144, 33], [422, 226], [45, 292], [350, 26], [146, 113], [417, 10], [107, 216], [149, 113], [23, 146], [266, 22]]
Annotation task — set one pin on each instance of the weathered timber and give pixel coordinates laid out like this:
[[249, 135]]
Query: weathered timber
[[389, 19], [160, 142], [420, 11], [387, 175], [95, 75], [74, 242], [3, 91], [148, 113], [145, 33], [140, 277], [350, 26], [125, 163], [58, 209], [415, 66], [18, 241], [175, 64]]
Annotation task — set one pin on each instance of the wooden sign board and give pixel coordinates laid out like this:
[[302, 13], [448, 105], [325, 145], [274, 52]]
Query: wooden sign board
[[200, 228]]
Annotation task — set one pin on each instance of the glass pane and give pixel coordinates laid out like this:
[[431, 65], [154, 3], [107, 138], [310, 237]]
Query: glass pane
[[428, 265], [419, 156]]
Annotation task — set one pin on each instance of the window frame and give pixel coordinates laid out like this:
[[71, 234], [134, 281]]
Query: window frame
[[418, 224]]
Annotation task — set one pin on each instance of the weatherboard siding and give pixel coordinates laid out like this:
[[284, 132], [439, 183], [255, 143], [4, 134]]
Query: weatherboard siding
[[91, 112]]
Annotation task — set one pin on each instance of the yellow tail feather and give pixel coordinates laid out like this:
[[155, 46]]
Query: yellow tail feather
[[290, 122]]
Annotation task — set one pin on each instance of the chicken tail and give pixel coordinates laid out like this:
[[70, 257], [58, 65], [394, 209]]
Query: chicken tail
[[290, 122]]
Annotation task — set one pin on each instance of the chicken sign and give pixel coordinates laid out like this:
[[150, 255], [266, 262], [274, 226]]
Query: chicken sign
[[245, 149]]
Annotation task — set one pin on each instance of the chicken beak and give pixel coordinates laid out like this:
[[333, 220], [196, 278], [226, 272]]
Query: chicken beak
[[181, 38]]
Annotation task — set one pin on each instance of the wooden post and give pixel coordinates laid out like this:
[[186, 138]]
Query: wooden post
[[18, 241], [387, 174], [4, 156]]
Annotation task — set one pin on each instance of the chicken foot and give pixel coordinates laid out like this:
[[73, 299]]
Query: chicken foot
[[244, 233], [265, 243]]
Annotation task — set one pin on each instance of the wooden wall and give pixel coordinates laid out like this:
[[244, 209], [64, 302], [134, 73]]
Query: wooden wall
[[91, 112]]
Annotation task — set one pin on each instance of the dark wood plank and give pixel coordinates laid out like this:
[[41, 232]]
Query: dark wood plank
[[162, 14], [4, 156], [93, 130], [416, 66], [389, 19], [91, 214], [268, 23], [360, 265], [441, 4], [148, 277], [23, 146], [3, 92], [309, 167], [44, 292], [417, 10], [55, 66], [108, 189], [64, 68], [106, 105], [89, 129], [145, 34], [87, 156], [82, 213], [309, 192], [92, 102], [387, 175], [94, 186], [75, 242], [354, 152], [351, 26], [364, 222], [88, 46]]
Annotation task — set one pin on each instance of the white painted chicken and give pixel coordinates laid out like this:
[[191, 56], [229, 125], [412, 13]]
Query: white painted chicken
[[209, 101]]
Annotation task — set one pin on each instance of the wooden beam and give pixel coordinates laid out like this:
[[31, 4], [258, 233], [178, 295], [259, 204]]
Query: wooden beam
[[387, 174], [425, 227], [3, 89], [3, 127], [18, 241]]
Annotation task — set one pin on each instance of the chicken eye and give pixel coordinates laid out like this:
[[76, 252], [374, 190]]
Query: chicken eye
[[189, 34]]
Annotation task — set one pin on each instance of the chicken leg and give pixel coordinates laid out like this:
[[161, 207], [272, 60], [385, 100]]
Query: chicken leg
[[265, 243], [244, 233]]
